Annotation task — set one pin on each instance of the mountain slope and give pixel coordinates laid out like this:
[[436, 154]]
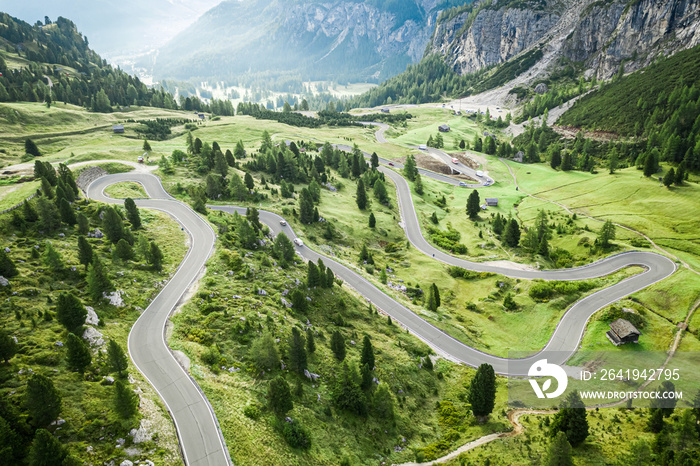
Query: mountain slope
[[117, 29], [347, 40]]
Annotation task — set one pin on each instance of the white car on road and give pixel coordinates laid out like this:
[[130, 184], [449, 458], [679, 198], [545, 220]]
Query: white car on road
[[480, 174], [423, 147], [455, 160], [283, 223], [298, 242]]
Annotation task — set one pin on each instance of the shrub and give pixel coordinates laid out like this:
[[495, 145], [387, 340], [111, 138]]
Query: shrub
[[296, 435], [252, 411]]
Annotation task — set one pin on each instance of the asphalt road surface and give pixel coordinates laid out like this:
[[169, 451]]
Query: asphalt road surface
[[201, 441], [200, 437]]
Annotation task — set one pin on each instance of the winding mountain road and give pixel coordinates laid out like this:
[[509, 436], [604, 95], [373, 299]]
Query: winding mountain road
[[200, 437]]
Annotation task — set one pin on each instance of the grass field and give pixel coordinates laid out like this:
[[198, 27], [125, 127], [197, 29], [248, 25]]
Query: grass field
[[125, 190], [425, 124], [669, 216], [13, 194]]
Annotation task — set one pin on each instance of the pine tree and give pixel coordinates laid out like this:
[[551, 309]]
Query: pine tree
[[436, 294], [67, 213], [297, 352], [543, 247], [52, 258], [482, 391], [669, 178], [97, 280], [46, 450], [42, 400], [330, 278], [310, 342], [512, 234], [361, 198], [249, 181], [567, 163], [606, 234], [571, 419], [7, 267], [559, 452], [30, 148], [123, 250], [156, 256], [49, 217], [380, 192], [338, 345], [409, 169], [70, 312], [8, 347], [132, 213], [117, 360], [555, 162], [29, 213], [374, 161], [313, 278], [418, 184], [367, 353], [612, 161], [651, 164], [348, 394], [126, 402], [299, 302], [473, 205], [372, 220], [498, 225], [306, 207], [680, 175], [220, 164], [83, 224], [113, 225], [78, 354], [279, 396]]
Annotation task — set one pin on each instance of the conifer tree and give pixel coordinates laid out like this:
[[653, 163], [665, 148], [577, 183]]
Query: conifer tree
[[117, 360], [132, 213], [482, 391], [42, 400], [409, 169], [571, 419], [97, 280], [372, 220], [78, 353], [30, 148], [310, 342], [418, 184], [361, 197], [559, 452], [338, 345], [67, 213], [70, 312], [367, 353], [7, 267], [126, 402], [83, 224], [156, 257], [46, 450], [52, 258], [297, 352], [279, 396], [473, 204], [8, 347], [669, 178], [113, 225], [512, 234]]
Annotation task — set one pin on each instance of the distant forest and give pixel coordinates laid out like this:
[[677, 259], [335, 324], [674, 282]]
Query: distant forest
[[57, 51]]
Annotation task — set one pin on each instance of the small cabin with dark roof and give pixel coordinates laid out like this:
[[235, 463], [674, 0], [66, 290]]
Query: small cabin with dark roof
[[386, 110], [118, 128], [444, 128], [492, 201], [622, 331]]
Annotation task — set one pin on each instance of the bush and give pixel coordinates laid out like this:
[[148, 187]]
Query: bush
[[252, 411], [296, 436], [541, 291], [459, 272]]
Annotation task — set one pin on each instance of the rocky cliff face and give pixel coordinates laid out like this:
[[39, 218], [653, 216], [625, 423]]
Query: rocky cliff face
[[600, 34], [314, 39]]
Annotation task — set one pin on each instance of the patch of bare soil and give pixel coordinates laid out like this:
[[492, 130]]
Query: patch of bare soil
[[427, 162], [570, 132]]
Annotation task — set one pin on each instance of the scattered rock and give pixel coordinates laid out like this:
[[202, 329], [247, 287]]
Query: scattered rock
[[61, 235], [4, 281], [115, 298], [541, 88], [96, 234], [311, 376], [93, 337], [126, 463], [91, 318], [109, 379], [7, 250], [262, 292], [59, 344], [141, 434], [286, 303]]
